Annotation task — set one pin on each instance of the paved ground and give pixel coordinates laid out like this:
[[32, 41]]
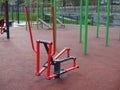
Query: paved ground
[[99, 69]]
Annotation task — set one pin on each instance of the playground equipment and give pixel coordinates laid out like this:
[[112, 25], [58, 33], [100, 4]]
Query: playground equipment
[[44, 23], [41, 9], [4, 23], [62, 25], [37, 8], [46, 9], [97, 23], [2, 26], [119, 35], [86, 25], [55, 61]]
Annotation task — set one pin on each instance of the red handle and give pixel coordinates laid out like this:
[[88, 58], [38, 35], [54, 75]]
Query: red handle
[[29, 27]]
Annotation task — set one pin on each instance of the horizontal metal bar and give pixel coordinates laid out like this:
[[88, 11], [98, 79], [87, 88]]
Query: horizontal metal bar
[[45, 42]]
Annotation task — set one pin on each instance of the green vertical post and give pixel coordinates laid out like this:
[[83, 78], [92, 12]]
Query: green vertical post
[[81, 10], [26, 4], [119, 35], [26, 25], [37, 13], [86, 28], [55, 7], [51, 12], [98, 19], [62, 7], [107, 23], [31, 12], [42, 11]]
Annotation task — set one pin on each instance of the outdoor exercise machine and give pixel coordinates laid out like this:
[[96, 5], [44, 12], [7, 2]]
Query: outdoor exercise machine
[[4, 23], [51, 51]]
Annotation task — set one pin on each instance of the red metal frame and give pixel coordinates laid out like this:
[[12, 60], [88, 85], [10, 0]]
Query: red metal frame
[[37, 57], [64, 50], [53, 31], [30, 31], [49, 59], [50, 53], [48, 73]]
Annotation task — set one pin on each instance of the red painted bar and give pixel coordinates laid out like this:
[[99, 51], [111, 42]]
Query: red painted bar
[[49, 59], [64, 50], [53, 32], [42, 70], [68, 52], [72, 68], [74, 62], [30, 31], [37, 56], [52, 76]]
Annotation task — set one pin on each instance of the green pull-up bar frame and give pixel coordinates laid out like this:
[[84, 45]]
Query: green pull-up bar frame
[[107, 23], [81, 10], [98, 19], [86, 28]]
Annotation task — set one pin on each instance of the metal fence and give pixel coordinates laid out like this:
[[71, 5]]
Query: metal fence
[[68, 14]]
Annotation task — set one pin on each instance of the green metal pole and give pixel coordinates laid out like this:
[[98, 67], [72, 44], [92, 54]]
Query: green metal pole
[[40, 3], [26, 4], [107, 23], [51, 12], [31, 12], [37, 13], [86, 28], [81, 10], [41, 9], [98, 19], [55, 6], [119, 35], [62, 7]]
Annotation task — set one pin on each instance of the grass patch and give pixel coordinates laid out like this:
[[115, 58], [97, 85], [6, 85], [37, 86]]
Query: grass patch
[[22, 16]]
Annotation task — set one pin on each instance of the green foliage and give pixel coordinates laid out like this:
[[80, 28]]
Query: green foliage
[[22, 16]]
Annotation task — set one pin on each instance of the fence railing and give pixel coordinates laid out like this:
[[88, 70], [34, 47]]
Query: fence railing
[[68, 14]]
